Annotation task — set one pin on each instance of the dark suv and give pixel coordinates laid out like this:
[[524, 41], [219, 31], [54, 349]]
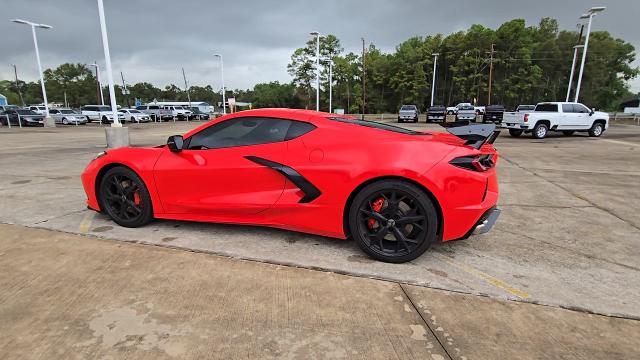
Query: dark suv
[[437, 113]]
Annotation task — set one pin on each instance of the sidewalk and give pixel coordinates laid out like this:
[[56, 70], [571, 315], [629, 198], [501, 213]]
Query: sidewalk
[[67, 296]]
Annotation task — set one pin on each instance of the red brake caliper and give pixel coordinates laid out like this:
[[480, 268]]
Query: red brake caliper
[[136, 198], [376, 206]]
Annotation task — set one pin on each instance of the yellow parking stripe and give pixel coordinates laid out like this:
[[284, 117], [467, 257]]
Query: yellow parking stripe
[[85, 224], [486, 277]]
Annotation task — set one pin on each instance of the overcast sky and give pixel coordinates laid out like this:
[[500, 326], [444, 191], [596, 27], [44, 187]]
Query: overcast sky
[[152, 39]]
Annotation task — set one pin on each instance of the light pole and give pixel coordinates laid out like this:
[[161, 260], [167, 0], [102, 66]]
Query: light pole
[[117, 136], [48, 121], [99, 81], [330, 85], [224, 106], [317, 35], [433, 83], [573, 65], [589, 15]]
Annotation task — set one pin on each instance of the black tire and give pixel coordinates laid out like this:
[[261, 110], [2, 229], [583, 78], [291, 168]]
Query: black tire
[[567, 132], [133, 119], [403, 226], [515, 132], [415, 120], [124, 197], [400, 121], [540, 131], [105, 120], [596, 129]]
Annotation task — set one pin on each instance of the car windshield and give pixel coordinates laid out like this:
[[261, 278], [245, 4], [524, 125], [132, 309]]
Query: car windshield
[[377, 125], [67, 111], [26, 112], [134, 111], [104, 108], [466, 107], [407, 107]]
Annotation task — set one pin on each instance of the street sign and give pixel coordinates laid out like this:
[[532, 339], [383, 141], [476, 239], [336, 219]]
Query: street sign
[[138, 102]]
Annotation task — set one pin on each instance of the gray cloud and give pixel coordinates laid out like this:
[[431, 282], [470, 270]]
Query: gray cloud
[[151, 40]]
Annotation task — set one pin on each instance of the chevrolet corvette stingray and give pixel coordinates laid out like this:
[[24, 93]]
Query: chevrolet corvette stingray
[[394, 191]]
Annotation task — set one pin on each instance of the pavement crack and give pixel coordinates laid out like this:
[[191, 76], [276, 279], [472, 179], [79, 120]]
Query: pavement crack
[[424, 320], [577, 196], [59, 216]]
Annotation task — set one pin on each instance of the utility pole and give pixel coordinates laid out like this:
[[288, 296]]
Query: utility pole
[[433, 83], [490, 74], [573, 63], [364, 81], [15, 71], [125, 92], [186, 87]]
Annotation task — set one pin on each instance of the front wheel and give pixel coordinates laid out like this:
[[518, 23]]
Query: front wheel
[[124, 197], [540, 131], [65, 121], [515, 132], [393, 221], [596, 130]]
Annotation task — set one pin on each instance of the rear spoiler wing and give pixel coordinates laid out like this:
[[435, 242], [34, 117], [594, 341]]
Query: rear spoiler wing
[[474, 135]]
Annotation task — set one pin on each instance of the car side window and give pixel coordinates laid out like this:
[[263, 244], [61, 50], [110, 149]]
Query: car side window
[[242, 131], [579, 108], [567, 108]]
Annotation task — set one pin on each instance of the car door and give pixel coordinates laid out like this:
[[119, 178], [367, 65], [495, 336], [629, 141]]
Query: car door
[[212, 176], [567, 119], [583, 116]]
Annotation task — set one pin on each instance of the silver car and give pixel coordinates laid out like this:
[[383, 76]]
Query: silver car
[[133, 115], [67, 116], [466, 112]]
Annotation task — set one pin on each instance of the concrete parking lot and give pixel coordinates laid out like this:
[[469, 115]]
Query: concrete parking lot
[[569, 235]]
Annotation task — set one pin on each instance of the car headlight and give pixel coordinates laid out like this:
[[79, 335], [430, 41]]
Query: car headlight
[[100, 154]]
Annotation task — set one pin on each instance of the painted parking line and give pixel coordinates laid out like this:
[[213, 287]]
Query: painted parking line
[[85, 224], [485, 277]]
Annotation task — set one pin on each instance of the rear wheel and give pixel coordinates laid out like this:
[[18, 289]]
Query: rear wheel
[[393, 221], [596, 129], [124, 197], [65, 121], [105, 120], [540, 131], [515, 132], [567, 132]]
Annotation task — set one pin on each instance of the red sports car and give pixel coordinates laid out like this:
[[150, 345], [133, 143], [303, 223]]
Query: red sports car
[[395, 191]]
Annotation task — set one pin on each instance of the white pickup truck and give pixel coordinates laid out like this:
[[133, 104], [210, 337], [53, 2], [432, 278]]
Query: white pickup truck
[[567, 117]]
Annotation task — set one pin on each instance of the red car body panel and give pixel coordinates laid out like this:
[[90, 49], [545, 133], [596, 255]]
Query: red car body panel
[[222, 185]]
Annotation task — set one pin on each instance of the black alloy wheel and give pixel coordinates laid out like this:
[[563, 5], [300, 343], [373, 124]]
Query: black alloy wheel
[[393, 221], [125, 198]]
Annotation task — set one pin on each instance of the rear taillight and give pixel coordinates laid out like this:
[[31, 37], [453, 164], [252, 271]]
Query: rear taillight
[[480, 163], [526, 117]]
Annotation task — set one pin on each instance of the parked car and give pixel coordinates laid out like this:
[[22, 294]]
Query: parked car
[[178, 112], [67, 116], [437, 113], [522, 108], [408, 113], [567, 117], [8, 107], [453, 110], [38, 109], [100, 113], [156, 112], [196, 114], [135, 115], [25, 117], [391, 199], [466, 112], [493, 113]]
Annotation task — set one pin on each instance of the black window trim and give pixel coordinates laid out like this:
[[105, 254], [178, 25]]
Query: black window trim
[[187, 141]]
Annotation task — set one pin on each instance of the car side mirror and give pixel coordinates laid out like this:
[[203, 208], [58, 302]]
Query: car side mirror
[[593, 110], [175, 143]]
